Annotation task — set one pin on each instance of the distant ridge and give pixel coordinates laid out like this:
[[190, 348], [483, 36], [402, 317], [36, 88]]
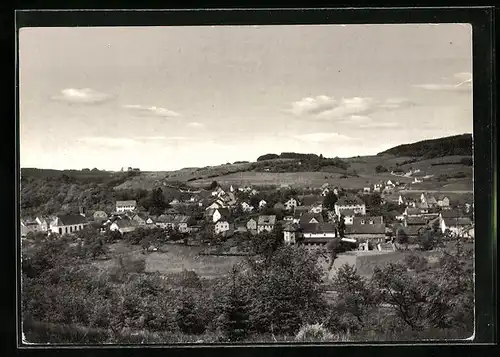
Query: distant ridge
[[447, 146]]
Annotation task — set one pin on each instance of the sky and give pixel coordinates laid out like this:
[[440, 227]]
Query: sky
[[164, 98]]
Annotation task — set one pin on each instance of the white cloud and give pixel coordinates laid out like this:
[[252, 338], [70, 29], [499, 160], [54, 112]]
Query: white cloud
[[462, 83], [153, 111], [82, 96], [109, 142], [196, 125], [329, 108], [322, 137]]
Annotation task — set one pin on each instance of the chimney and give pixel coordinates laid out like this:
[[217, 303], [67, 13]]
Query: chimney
[[82, 212]]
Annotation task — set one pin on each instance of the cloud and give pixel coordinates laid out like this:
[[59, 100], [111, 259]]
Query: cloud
[[325, 107], [108, 142], [462, 83], [151, 111], [363, 121], [196, 125], [82, 96], [322, 137]]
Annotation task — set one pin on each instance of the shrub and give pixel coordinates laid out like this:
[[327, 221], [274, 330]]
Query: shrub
[[316, 332], [380, 169]]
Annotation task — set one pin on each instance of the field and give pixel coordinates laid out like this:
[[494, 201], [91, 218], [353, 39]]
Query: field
[[173, 258]]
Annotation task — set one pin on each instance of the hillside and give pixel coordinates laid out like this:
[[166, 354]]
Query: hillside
[[447, 146]]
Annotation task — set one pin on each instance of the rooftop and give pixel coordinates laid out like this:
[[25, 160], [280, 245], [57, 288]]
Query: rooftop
[[271, 219]]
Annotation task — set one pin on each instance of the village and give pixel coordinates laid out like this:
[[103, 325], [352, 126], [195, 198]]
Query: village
[[312, 218]]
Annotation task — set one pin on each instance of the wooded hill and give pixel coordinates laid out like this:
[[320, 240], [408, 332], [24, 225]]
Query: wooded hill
[[457, 145]]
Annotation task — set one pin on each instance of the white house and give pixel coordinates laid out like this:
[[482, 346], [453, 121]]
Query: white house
[[123, 226], [262, 204], [126, 206], [455, 222], [316, 208], [67, 224], [266, 223], [221, 227], [443, 201], [325, 191], [320, 232], [348, 215], [252, 225], [354, 203], [366, 189], [220, 213], [291, 204], [289, 234], [246, 207]]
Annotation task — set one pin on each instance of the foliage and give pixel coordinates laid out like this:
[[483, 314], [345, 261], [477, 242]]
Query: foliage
[[316, 332], [380, 169], [267, 157], [330, 200], [285, 293], [402, 237], [448, 146], [187, 316], [429, 239]]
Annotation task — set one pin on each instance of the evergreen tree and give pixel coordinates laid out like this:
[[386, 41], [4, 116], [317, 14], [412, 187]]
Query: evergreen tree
[[187, 317], [234, 320]]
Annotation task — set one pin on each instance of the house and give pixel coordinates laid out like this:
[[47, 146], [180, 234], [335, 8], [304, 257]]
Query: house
[[325, 191], [316, 208], [290, 233], [140, 218], [288, 218], [354, 203], [377, 187], [245, 207], [393, 198], [262, 204], [366, 229], [231, 189], [44, 223], [218, 192], [432, 202], [221, 226], [309, 218], [298, 212], [348, 215], [443, 201], [252, 225], [28, 226], [253, 192], [455, 222], [414, 212], [100, 216], [123, 226], [69, 223], [266, 223], [366, 189], [318, 233], [291, 204], [221, 213], [336, 190], [310, 200], [126, 206], [325, 185], [415, 221], [279, 206], [241, 228], [181, 223]]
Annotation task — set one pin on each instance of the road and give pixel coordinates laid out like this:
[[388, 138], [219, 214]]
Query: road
[[436, 191]]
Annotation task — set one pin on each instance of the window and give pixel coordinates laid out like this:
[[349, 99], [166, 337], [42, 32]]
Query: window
[[371, 221], [362, 221], [60, 230]]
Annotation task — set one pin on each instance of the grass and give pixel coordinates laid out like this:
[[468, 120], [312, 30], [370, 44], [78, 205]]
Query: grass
[[173, 258]]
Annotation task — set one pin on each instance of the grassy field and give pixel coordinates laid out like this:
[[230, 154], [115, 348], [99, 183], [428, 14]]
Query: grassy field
[[173, 258]]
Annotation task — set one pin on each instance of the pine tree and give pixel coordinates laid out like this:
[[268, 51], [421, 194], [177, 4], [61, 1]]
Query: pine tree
[[187, 318], [234, 321]]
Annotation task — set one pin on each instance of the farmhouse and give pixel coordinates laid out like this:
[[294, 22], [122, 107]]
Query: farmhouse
[[221, 226], [262, 204], [29, 227], [126, 206], [291, 204], [69, 223], [245, 207], [44, 223], [366, 189], [348, 215], [414, 212], [252, 225], [221, 213], [266, 223], [318, 232], [455, 222], [123, 226], [298, 212], [354, 203], [443, 201], [289, 233], [325, 191], [309, 218], [140, 218], [367, 229], [310, 200]]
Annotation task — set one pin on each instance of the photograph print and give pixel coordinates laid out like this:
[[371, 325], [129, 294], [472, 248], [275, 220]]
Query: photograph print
[[264, 184]]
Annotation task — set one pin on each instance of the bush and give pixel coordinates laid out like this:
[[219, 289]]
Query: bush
[[380, 169], [313, 333]]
